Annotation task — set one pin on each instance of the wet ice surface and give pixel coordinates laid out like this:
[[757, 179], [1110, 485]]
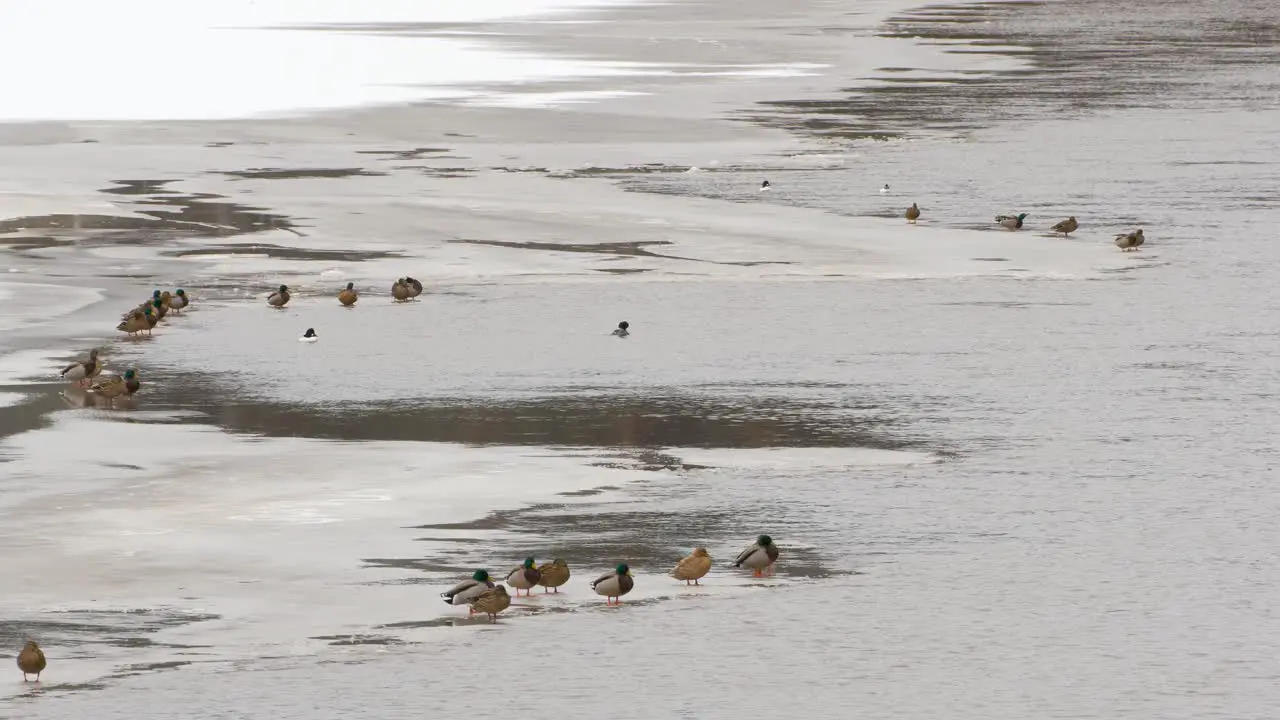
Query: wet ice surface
[[1032, 484]]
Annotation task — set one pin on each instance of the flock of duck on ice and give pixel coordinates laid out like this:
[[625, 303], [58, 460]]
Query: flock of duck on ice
[[479, 591], [484, 596]]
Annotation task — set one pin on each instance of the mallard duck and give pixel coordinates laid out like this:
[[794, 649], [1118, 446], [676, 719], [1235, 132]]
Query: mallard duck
[[158, 309], [82, 372], [467, 590], [179, 300], [415, 287], [758, 557], [116, 385], [491, 602], [1011, 222], [913, 214], [1066, 227], [622, 329], [695, 566], [166, 297], [524, 577], [279, 298], [553, 574], [399, 290], [31, 661], [349, 295], [309, 336], [1130, 241], [151, 316], [136, 322], [615, 584]]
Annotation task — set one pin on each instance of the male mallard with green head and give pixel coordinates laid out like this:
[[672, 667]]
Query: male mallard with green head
[[415, 287], [614, 585], [31, 660], [179, 300], [1130, 241], [524, 577], [279, 298], [399, 290], [467, 590], [693, 567], [491, 602], [84, 371], [1066, 227], [553, 574], [1011, 222], [758, 557], [348, 296], [913, 214], [117, 385]]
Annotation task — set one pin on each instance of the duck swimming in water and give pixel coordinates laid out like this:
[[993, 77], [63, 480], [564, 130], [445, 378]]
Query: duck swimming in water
[[885, 189], [765, 186], [622, 329], [309, 336]]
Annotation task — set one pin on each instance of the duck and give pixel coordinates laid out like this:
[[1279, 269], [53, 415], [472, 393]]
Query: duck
[[279, 298], [764, 186], [1130, 241], [117, 385], [135, 322], [913, 214], [152, 315], [1066, 227], [622, 329], [415, 287], [309, 336], [83, 371], [491, 602], [553, 574], [696, 565], [348, 295], [400, 291], [166, 297], [31, 660], [524, 577], [467, 590], [1011, 222], [614, 585], [179, 300], [885, 189], [157, 302], [759, 557]]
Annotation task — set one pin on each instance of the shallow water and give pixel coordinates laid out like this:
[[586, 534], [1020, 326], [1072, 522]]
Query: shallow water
[[1029, 487]]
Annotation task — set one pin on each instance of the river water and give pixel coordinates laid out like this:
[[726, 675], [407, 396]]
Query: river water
[[1012, 475]]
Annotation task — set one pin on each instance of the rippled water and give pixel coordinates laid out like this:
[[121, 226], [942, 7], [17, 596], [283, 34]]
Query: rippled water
[[997, 497]]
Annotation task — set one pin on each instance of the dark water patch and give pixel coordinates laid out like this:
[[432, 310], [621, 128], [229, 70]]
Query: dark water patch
[[281, 252], [601, 535], [359, 639], [411, 154], [582, 493], [80, 628], [140, 187], [623, 271], [623, 419], [632, 248], [23, 243], [299, 173], [1096, 56], [201, 214]]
